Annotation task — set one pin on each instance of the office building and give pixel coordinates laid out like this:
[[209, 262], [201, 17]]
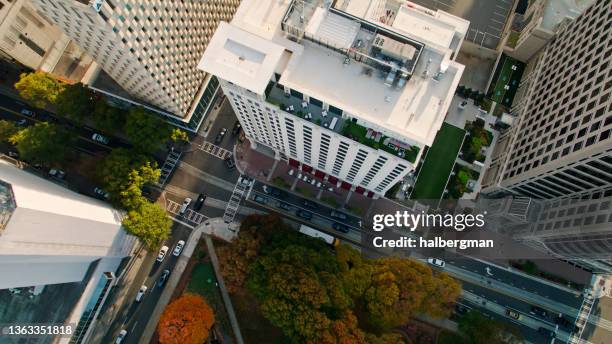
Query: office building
[[560, 145], [51, 236], [351, 91], [542, 20], [150, 48]]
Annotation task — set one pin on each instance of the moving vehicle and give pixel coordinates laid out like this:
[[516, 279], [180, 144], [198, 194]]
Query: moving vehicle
[[121, 336], [340, 227], [141, 293], [272, 191], [57, 173], [162, 253], [178, 248], [284, 206], [199, 202], [539, 311], [100, 138], [28, 112], [229, 162], [338, 215], [260, 199], [513, 314], [220, 135], [310, 204], [304, 214], [319, 235], [163, 278], [101, 193], [185, 205], [236, 128], [22, 122], [436, 262]]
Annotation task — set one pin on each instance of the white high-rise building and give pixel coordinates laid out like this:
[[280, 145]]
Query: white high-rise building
[[51, 235], [150, 48], [353, 90]]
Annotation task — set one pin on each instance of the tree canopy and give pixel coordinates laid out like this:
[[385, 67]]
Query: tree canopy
[[186, 320], [146, 132], [38, 88], [475, 328], [149, 222], [7, 130], [75, 102], [108, 118], [43, 143]]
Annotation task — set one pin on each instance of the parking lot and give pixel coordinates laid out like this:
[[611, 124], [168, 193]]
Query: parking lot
[[487, 17]]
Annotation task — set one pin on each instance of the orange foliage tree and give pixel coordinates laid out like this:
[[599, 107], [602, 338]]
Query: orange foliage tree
[[186, 320]]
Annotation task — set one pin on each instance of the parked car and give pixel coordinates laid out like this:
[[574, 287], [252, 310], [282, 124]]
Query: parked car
[[246, 181], [291, 172], [236, 129], [163, 278], [185, 205], [304, 214], [57, 173], [22, 122], [461, 309], [121, 336], [513, 314], [260, 199], [220, 135], [338, 215], [199, 202], [546, 332], [539, 311], [178, 248], [100, 138], [101, 193], [162, 253], [340, 227], [273, 191], [229, 162], [13, 154], [28, 112], [284, 206], [436, 262], [141, 293], [310, 204]]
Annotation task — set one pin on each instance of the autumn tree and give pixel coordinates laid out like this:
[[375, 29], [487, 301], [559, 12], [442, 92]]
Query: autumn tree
[[43, 143], [186, 320], [236, 259], [7, 130], [149, 222], [38, 88], [75, 102], [146, 131], [343, 331]]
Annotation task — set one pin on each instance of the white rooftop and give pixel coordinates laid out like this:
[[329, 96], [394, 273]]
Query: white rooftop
[[556, 11], [424, 26]]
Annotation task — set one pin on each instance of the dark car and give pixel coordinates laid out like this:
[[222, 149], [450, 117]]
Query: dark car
[[260, 199], [461, 309], [304, 214], [199, 202], [310, 204], [229, 162], [539, 311], [163, 278], [338, 215], [273, 191], [236, 129], [284, 206], [220, 135], [340, 227], [546, 332]]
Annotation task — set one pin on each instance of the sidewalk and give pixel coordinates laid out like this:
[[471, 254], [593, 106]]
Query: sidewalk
[[214, 227]]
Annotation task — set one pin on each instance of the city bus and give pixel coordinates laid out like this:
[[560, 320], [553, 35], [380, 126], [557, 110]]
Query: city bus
[[331, 240]]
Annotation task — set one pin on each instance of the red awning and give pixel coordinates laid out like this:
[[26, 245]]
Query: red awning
[[306, 168], [294, 163], [332, 180], [346, 186], [319, 174], [360, 190], [370, 194]]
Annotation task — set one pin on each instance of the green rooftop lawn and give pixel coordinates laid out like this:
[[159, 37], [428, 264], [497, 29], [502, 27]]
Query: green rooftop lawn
[[438, 163]]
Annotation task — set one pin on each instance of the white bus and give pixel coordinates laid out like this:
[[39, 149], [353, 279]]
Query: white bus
[[320, 235]]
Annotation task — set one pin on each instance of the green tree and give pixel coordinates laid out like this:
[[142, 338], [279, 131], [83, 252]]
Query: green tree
[[477, 329], [38, 88], [146, 132], [123, 174], [44, 143], [149, 223], [7, 130], [179, 135], [108, 118], [75, 102]]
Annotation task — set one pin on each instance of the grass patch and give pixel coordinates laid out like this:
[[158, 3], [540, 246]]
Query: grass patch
[[512, 39], [203, 282], [508, 74], [281, 182], [305, 192], [438, 164], [330, 200], [254, 327], [447, 337], [358, 133]]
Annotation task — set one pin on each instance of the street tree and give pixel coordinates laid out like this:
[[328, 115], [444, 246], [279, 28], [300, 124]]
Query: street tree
[[179, 135], [146, 131], [475, 328], [75, 102], [236, 259], [149, 222], [108, 118], [7, 130], [186, 320], [38, 88], [44, 143]]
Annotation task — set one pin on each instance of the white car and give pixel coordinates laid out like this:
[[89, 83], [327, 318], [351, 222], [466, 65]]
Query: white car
[[291, 172], [299, 176], [120, 337], [28, 112], [162, 253], [178, 248], [141, 293], [436, 262], [185, 205], [100, 138]]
